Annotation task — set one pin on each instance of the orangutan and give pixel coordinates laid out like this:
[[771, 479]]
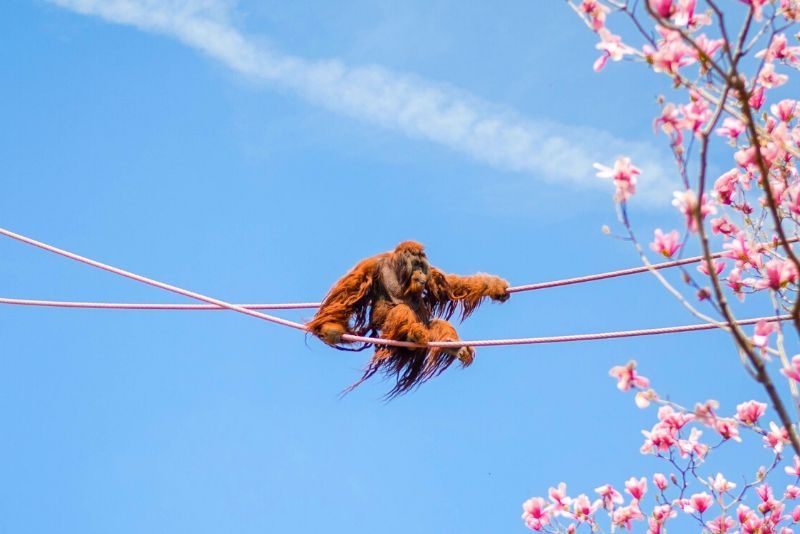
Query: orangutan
[[399, 295]]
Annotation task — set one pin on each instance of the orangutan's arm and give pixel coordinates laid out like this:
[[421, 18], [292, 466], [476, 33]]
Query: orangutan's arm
[[346, 300], [467, 292]]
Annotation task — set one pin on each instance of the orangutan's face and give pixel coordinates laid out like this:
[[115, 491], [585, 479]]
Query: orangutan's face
[[420, 269]]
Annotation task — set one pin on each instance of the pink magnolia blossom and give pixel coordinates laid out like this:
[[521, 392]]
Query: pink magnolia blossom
[[644, 397], [701, 502], [793, 199], [725, 187], [791, 492], [636, 488], [757, 97], [653, 526], [720, 484], [778, 274], [791, 10], [745, 157], [535, 514], [731, 128], [721, 225], [623, 516], [796, 514], [664, 8], [690, 446], [704, 412], [779, 49], [697, 503], [663, 512], [670, 54], [764, 492], [582, 508], [794, 470], [785, 109], [727, 428], [762, 332], [749, 412], [773, 507], [769, 79], [660, 481], [761, 474], [685, 15], [670, 122], [721, 524], [623, 175], [596, 11], [627, 377], [770, 123], [736, 283], [744, 513], [719, 266], [666, 244], [771, 153], [744, 252], [794, 371], [659, 439], [609, 496], [612, 47], [776, 438], [753, 524], [769, 504], [778, 188], [784, 142], [686, 202], [708, 46], [757, 6], [559, 498], [684, 12], [673, 418], [695, 114]]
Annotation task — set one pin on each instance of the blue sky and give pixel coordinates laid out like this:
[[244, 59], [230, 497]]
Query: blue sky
[[254, 151]]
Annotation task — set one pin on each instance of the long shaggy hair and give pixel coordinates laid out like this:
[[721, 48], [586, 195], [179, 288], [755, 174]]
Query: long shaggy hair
[[398, 295]]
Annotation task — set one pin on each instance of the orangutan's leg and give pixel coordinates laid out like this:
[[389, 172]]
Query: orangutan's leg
[[402, 324], [331, 333], [441, 330]]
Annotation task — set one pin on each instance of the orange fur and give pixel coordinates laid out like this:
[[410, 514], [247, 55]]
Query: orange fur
[[398, 295]]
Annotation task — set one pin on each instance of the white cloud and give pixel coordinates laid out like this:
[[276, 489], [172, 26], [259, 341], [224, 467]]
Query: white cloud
[[419, 108]]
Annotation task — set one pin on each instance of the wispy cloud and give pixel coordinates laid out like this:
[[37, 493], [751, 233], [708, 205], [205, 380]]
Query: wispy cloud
[[403, 102]]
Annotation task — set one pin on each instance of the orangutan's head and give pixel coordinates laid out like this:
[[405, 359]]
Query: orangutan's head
[[412, 267]]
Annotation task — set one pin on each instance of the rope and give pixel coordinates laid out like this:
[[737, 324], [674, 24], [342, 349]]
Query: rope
[[147, 306], [612, 335], [194, 295], [311, 305], [150, 281], [624, 272], [250, 309], [610, 274]]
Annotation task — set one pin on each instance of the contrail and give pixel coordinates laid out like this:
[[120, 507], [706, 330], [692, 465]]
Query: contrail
[[397, 101]]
